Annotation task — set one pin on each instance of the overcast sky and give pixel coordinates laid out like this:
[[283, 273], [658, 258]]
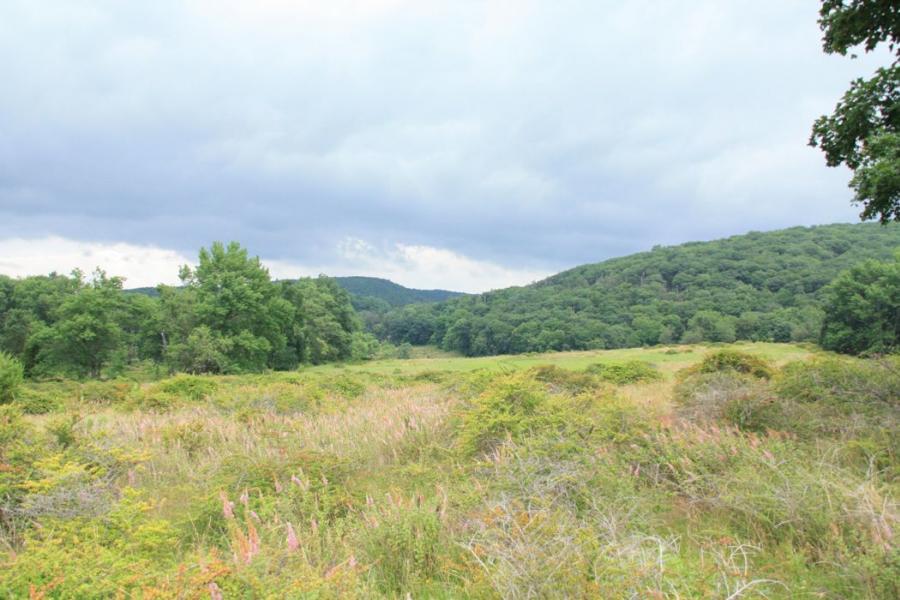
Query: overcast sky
[[463, 144]]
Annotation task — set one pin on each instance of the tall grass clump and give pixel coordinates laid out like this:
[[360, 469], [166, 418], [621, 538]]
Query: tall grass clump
[[405, 544]]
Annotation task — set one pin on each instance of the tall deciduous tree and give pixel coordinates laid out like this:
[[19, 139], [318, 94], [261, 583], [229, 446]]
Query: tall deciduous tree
[[236, 299], [863, 132], [87, 329], [862, 309]]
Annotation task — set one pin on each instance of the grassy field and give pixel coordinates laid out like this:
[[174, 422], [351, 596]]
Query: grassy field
[[668, 358], [744, 471]]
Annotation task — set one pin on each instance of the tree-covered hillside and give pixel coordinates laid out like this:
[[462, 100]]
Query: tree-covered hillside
[[392, 293], [758, 286]]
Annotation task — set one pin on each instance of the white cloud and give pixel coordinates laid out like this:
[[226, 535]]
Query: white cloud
[[418, 266], [145, 266], [508, 131], [142, 266]]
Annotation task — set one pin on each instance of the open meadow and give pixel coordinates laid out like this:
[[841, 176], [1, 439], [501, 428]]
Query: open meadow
[[743, 471]]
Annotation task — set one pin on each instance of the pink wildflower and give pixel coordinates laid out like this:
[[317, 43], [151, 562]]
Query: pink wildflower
[[292, 542], [227, 506], [215, 592]]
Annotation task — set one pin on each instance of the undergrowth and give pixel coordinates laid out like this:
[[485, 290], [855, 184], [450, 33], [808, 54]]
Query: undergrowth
[[741, 478]]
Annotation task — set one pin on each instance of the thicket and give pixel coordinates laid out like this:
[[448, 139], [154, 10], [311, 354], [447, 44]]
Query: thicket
[[758, 287], [862, 309], [11, 375], [228, 316]]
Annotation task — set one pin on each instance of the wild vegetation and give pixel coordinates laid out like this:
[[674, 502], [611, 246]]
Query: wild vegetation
[[756, 470], [226, 317], [760, 287]]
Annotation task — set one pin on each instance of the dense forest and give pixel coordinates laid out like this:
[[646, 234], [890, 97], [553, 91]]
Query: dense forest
[[759, 286], [227, 316]]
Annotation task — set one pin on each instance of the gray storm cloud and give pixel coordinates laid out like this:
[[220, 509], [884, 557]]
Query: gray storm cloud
[[529, 136]]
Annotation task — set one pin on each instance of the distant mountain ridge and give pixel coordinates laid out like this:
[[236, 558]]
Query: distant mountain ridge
[[362, 288], [392, 293]]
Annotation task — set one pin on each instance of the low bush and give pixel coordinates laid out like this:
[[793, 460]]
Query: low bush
[[39, 401], [111, 392], [189, 387], [730, 398], [121, 555], [633, 371], [564, 380], [153, 400], [859, 384], [518, 406], [732, 360], [511, 406], [190, 436]]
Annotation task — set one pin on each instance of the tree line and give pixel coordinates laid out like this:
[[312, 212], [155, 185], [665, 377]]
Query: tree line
[[760, 287], [227, 316]]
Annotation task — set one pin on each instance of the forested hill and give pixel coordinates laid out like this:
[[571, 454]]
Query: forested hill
[[362, 289], [392, 293], [758, 286]]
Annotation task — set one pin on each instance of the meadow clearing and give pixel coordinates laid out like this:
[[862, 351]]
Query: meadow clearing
[[739, 471]]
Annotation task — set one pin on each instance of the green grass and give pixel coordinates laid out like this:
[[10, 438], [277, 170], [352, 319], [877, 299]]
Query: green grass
[[668, 358]]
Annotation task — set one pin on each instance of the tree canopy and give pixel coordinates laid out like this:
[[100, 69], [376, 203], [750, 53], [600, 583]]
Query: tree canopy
[[863, 132], [862, 309], [759, 286], [228, 316]]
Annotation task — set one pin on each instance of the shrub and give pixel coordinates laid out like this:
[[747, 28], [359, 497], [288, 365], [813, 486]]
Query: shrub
[[510, 406], [517, 406], [633, 371], [559, 379], [105, 392], [842, 381], [730, 398], [12, 427], [857, 401], [11, 375], [38, 401], [153, 400], [63, 429], [190, 387], [732, 360], [344, 385], [121, 556], [189, 436]]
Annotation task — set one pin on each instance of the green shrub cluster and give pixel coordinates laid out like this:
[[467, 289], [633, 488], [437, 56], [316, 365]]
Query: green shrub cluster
[[190, 387], [558, 379], [733, 360], [731, 398], [632, 371], [860, 384]]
